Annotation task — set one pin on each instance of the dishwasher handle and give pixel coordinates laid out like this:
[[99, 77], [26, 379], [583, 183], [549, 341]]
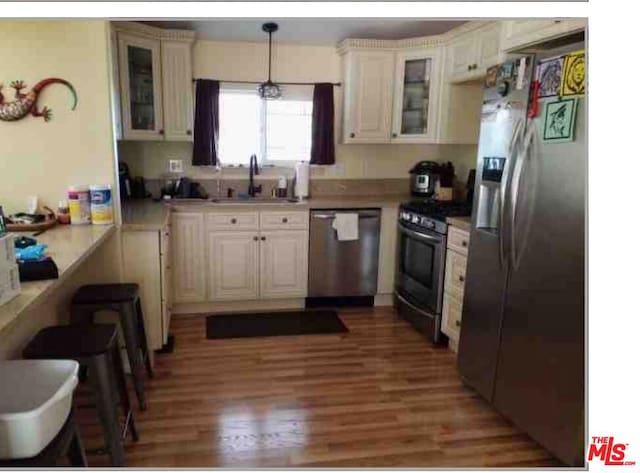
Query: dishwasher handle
[[361, 214]]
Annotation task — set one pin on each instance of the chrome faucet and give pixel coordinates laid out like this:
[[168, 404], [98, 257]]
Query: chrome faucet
[[253, 171]]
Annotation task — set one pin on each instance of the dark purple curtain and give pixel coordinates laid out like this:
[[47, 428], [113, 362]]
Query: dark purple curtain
[[322, 140], [206, 127]]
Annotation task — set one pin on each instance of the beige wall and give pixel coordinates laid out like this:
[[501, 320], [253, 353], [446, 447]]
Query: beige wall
[[292, 63], [75, 147]]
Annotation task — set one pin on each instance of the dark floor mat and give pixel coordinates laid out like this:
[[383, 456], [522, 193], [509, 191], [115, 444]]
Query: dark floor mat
[[267, 324]]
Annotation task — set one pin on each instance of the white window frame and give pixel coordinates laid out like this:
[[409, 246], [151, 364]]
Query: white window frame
[[294, 93]]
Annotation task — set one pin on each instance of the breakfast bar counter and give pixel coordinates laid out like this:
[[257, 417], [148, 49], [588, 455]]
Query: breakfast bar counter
[[69, 246]]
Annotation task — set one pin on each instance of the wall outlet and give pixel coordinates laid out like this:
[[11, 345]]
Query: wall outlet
[[175, 165], [338, 169]]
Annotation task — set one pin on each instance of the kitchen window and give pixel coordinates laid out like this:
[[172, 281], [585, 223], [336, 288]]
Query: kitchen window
[[277, 131]]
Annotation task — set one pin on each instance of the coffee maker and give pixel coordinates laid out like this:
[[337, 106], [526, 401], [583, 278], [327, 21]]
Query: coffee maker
[[424, 177]]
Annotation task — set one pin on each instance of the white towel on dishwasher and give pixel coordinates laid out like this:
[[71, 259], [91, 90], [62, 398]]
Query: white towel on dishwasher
[[346, 226]]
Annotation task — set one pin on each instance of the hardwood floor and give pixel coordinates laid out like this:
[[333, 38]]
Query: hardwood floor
[[378, 396]]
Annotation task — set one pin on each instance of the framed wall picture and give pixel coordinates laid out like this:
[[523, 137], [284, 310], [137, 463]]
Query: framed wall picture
[[549, 75], [573, 75], [559, 120]]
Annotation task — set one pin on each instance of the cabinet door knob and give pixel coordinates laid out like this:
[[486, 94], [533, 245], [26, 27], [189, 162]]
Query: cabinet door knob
[[255, 238], [285, 220], [189, 132], [263, 238], [394, 135], [464, 243], [457, 323], [461, 278], [233, 220], [469, 67], [352, 135], [161, 131]]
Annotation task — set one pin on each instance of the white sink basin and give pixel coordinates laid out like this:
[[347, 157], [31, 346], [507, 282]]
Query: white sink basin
[[35, 401]]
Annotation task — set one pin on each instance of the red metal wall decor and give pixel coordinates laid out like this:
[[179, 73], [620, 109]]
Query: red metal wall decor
[[25, 104]]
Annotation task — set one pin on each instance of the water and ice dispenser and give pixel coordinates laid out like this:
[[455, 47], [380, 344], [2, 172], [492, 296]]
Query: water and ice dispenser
[[488, 211]]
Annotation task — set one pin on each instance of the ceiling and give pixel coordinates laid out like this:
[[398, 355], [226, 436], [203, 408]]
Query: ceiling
[[327, 31]]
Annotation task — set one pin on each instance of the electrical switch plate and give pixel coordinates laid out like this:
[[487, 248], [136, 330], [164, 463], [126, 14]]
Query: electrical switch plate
[[175, 165]]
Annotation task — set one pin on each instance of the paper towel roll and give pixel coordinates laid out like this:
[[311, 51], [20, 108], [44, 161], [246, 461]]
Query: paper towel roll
[[301, 189]]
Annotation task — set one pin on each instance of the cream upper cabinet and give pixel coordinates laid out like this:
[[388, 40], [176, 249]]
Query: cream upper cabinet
[[463, 55], [233, 265], [155, 82], [283, 264], [489, 47], [522, 33], [416, 94], [140, 87], [177, 89], [188, 257], [368, 95], [472, 52]]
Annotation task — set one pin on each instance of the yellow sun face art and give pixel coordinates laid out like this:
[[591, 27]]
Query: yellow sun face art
[[574, 75]]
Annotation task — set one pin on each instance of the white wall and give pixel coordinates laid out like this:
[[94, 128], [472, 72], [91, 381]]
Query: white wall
[[291, 63], [75, 147]]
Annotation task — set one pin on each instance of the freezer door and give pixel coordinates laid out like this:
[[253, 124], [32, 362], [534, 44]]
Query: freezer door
[[540, 375], [503, 118]]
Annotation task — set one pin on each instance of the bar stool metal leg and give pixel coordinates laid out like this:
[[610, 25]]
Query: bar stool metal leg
[[76, 454], [102, 378], [124, 394], [130, 333], [142, 333]]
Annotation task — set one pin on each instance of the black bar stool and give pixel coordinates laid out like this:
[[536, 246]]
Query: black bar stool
[[125, 300], [94, 346], [66, 444]]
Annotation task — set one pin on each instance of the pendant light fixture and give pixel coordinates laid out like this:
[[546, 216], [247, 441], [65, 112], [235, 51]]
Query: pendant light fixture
[[268, 90]]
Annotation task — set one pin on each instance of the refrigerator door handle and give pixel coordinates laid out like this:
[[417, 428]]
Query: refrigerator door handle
[[529, 148], [513, 146]]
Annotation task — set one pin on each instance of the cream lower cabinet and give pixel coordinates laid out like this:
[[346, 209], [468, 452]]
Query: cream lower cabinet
[[232, 265], [256, 255], [188, 253], [454, 282], [283, 263], [145, 261]]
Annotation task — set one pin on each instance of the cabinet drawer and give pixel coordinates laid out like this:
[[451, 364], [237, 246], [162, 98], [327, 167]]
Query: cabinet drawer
[[232, 221], [451, 316], [458, 240], [284, 220], [455, 274]]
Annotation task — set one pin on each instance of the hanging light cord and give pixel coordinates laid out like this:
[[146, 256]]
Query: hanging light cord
[[270, 56]]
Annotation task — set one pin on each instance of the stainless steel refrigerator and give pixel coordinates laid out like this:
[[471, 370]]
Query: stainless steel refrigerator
[[522, 339]]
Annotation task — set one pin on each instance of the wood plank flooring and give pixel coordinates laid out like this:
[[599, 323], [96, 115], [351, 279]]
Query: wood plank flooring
[[378, 396]]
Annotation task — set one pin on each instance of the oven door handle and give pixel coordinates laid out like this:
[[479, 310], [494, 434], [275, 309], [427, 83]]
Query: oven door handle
[[413, 306], [421, 236]]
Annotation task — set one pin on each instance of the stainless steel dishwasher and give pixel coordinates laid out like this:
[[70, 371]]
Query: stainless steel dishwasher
[[343, 268]]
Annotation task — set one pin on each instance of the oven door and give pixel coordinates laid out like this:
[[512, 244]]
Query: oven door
[[420, 267]]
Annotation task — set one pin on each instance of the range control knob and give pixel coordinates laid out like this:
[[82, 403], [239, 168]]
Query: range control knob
[[415, 219]]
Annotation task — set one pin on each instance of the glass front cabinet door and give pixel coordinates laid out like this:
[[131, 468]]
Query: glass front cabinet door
[[417, 79], [141, 91]]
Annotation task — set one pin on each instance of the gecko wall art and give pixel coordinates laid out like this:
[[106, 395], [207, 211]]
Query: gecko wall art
[[27, 103]]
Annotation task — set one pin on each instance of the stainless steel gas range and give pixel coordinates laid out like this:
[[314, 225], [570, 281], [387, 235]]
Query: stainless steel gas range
[[421, 247]]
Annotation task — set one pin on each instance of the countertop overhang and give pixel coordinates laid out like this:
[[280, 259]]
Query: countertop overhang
[[69, 246]]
